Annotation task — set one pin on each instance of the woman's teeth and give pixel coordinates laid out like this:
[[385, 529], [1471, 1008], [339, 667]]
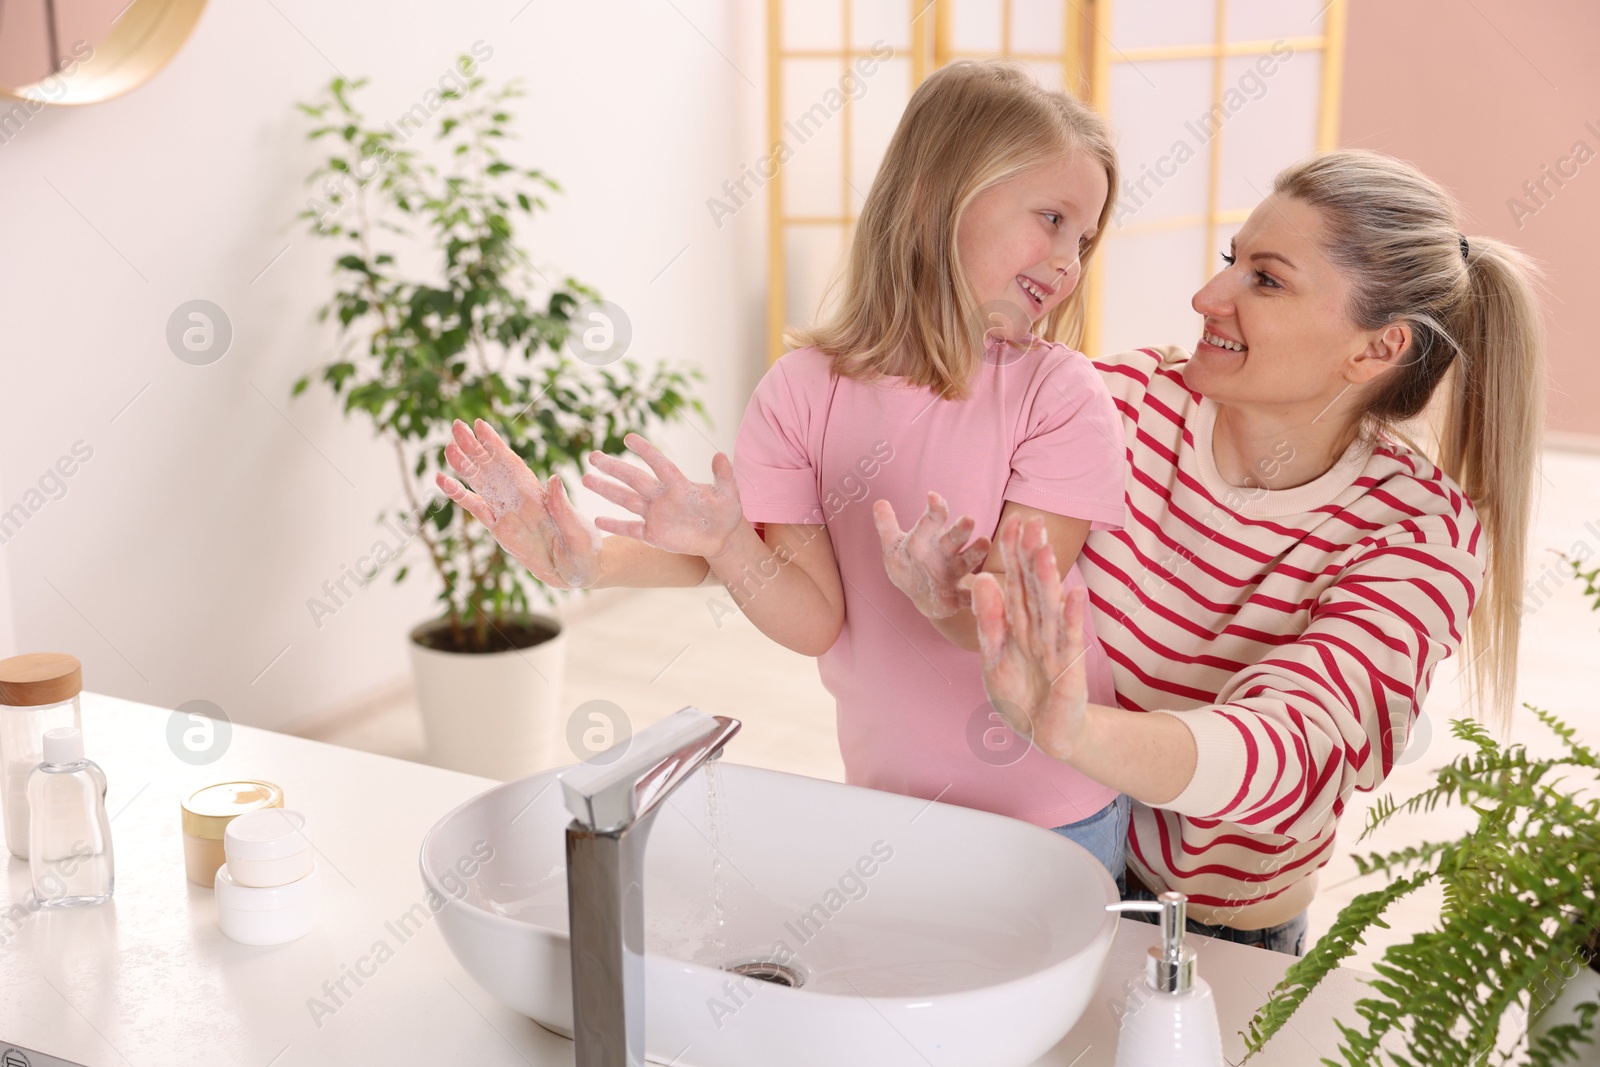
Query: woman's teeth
[[1223, 342]]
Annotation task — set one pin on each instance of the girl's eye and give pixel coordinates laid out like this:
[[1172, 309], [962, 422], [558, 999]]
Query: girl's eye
[[1055, 219]]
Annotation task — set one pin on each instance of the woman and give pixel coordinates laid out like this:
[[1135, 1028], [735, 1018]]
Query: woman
[[1292, 570]]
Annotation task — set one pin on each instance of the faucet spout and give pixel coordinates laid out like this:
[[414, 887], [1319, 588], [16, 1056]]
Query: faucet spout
[[614, 800]]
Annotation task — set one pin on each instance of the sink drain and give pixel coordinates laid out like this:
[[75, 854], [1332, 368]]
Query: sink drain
[[767, 971]]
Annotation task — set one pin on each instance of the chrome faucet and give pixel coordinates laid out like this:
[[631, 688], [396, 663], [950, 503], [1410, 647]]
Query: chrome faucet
[[613, 798]]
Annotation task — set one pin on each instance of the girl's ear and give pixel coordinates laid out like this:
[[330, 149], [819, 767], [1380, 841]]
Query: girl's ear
[[1386, 350]]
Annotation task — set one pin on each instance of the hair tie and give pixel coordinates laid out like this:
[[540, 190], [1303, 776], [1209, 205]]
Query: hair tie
[[1463, 246]]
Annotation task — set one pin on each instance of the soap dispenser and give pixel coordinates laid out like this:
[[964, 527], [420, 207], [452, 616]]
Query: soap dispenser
[[1170, 1020]]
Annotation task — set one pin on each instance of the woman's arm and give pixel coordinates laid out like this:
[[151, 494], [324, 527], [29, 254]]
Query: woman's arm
[[1033, 670], [1289, 738]]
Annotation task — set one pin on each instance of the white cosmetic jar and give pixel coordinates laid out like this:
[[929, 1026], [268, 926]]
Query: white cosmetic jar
[[267, 848], [254, 915]]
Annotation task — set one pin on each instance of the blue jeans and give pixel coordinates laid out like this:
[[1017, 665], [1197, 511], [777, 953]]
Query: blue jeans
[[1288, 937], [1105, 833]]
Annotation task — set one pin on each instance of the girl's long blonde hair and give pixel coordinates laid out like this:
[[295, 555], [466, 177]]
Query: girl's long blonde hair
[[1475, 319], [906, 299]]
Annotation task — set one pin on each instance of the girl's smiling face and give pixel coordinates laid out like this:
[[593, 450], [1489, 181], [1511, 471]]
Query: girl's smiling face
[[1020, 240]]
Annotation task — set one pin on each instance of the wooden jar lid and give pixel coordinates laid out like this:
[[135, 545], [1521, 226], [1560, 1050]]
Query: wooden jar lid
[[39, 678]]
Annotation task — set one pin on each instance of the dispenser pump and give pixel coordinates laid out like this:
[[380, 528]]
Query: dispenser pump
[[1174, 1020], [1170, 968]]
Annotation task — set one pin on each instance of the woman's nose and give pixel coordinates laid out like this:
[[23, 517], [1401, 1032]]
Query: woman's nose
[[1213, 300]]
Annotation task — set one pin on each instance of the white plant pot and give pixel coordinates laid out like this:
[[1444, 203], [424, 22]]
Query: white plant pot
[[495, 714], [1581, 988]]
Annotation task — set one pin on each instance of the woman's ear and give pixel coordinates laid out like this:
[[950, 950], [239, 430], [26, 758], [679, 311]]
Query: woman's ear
[[1386, 350]]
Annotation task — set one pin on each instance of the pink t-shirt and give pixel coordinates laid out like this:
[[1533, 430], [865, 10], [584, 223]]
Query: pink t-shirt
[[1039, 428]]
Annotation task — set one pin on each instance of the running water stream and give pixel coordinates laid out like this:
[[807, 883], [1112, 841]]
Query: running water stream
[[718, 936]]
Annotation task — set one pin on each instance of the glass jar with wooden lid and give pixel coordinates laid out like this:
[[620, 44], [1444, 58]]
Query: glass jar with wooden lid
[[38, 692]]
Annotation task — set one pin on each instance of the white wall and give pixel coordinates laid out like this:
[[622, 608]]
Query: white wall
[[178, 563]]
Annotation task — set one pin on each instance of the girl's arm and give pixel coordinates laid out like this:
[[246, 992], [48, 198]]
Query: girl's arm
[[538, 526], [625, 561], [929, 564], [787, 585]]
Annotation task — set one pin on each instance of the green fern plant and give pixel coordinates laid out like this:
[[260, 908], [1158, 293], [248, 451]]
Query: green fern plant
[[1590, 579], [1520, 914]]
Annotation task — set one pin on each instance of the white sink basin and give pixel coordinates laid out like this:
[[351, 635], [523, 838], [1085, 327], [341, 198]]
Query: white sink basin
[[918, 933]]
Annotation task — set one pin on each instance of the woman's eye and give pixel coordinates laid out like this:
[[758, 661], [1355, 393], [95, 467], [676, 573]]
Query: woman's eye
[[1264, 279]]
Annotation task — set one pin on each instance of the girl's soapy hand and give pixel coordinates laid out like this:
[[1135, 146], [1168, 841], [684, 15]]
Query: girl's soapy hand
[[536, 524], [1032, 643], [675, 514], [928, 563]]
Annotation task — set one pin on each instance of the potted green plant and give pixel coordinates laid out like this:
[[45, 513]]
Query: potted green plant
[[483, 334], [1515, 959]]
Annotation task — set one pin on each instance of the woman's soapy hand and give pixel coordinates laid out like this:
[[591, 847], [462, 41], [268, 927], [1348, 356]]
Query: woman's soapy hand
[[535, 523], [675, 514], [1031, 642], [928, 563]]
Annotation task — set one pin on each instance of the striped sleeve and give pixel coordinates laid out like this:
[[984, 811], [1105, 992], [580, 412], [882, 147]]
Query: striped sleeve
[[1291, 736]]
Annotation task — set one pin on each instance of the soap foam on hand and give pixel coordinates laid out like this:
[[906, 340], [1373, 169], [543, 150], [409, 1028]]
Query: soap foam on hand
[[498, 489], [498, 477]]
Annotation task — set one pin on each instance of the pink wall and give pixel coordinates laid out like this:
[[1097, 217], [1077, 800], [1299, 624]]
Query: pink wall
[[1483, 96]]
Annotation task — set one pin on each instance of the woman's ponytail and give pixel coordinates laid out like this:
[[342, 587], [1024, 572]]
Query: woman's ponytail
[[1475, 321], [1489, 443]]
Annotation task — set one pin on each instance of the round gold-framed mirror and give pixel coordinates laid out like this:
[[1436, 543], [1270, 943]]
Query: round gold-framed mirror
[[85, 51]]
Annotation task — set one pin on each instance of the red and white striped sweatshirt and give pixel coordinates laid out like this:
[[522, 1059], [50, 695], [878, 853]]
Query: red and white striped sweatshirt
[[1294, 632]]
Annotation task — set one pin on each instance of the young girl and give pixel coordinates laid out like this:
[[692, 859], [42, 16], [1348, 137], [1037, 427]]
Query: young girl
[[992, 194]]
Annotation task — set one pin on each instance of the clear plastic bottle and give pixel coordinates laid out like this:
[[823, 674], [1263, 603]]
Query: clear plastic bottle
[[69, 836]]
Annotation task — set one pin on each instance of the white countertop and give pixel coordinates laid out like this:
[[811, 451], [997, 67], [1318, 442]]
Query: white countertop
[[148, 978]]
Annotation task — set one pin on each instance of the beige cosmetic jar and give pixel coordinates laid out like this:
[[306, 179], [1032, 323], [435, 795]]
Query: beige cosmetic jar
[[206, 815]]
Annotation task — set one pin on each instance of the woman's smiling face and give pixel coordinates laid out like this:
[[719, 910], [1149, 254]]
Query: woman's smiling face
[[1020, 240], [1277, 328]]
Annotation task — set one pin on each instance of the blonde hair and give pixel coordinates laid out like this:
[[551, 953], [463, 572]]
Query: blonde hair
[[1475, 320], [969, 126]]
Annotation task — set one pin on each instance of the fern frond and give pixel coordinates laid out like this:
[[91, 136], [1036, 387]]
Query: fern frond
[[1410, 856], [1581, 753], [1306, 973], [1521, 901]]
